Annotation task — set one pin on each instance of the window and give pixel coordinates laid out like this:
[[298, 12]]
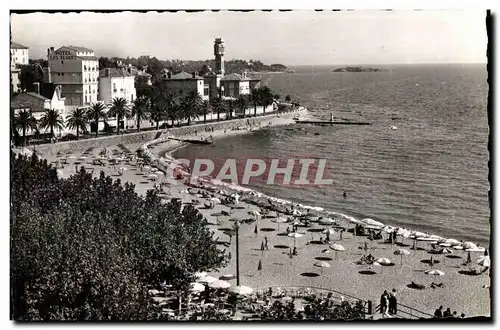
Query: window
[[114, 87], [132, 97], [84, 67], [86, 99]]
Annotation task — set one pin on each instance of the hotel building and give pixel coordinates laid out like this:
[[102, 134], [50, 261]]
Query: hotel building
[[76, 69]]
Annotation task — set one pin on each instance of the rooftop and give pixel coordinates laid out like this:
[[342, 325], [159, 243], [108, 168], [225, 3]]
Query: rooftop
[[15, 45], [184, 76], [234, 77], [79, 49], [115, 73]]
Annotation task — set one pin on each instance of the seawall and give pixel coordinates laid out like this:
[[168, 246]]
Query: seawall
[[143, 137]]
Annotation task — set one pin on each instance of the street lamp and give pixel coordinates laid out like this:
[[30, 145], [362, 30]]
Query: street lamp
[[236, 228]]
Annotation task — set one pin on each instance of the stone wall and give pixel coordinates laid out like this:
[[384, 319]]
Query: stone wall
[[142, 137]]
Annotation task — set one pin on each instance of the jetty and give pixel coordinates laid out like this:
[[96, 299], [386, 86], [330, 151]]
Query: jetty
[[331, 122]]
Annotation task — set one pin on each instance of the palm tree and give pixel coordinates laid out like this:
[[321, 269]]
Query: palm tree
[[206, 106], [230, 108], [50, 119], [191, 106], [218, 106], [157, 113], [96, 113], [255, 99], [25, 121], [120, 110], [78, 120], [140, 110], [241, 104], [266, 97], [171, 107]]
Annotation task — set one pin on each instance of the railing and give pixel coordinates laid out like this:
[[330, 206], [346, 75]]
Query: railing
[[408, 312]]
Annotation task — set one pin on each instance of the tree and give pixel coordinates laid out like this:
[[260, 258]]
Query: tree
[[96, 113], [266, 97], [25, 121], [87, 248], [191, 106], [140, 110], [255, 99], [158, 113], [78, 120], [230, 103], [50, 119], [119, 108], [172, 107], [142, 87], [206, 107], [241, 104], [29, 75], [218, 106]]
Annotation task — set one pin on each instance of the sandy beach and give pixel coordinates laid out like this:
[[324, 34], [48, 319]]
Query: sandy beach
[[462, 293]]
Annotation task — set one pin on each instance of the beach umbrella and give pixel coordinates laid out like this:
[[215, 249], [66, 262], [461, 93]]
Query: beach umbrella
[[477, 249], [458, 247], [200, 274], [425, 239], [484, 261], [72, 157], [372, 222], [296, 213], [469, 245], [376, 264], [241, 290], [451, 241], [326, 251], [322, 264], [215, 200], [388, 229], [207, 279], [384, 261], [196, 287], [337, 247], [295, 236], [280, 220], [219, 284], [436, 237], [227, 277], [402, 252], [445, 251], [445, 244], [435, 272], [153, 176]]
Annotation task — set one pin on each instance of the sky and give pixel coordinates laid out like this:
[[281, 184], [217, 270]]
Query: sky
[[302, 37]]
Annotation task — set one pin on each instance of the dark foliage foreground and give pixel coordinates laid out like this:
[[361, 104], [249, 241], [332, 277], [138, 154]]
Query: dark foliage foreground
[[86, 248]]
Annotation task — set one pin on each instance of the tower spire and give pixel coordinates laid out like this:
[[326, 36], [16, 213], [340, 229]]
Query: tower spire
[[219, 56]]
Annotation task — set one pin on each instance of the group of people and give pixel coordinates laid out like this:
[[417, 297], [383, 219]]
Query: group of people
[[389, 303], [447, 313]]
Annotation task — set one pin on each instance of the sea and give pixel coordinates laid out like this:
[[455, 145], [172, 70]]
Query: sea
[[430, 174]]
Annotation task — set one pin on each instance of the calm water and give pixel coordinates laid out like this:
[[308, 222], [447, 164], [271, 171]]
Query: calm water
[[430, 174]]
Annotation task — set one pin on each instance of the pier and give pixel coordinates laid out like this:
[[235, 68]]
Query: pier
[[331, 122]]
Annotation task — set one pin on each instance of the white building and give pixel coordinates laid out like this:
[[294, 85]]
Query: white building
[[45, 97], [19, 54], [76, 69], [116, 83]]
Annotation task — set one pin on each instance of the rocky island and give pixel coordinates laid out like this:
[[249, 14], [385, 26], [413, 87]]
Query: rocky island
[[357, 69]]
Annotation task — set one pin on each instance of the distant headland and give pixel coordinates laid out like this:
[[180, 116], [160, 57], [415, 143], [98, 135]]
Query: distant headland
[[357, 69]]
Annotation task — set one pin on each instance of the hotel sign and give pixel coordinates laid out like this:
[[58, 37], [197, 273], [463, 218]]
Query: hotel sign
[[63, 55]]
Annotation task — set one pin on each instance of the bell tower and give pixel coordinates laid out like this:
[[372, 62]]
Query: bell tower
[[219, 56]]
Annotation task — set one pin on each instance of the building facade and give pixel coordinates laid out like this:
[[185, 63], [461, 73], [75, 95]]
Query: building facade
[[116, 83], [183, 83], [235, 85], [76, 69], [19, 54], [46, 97]]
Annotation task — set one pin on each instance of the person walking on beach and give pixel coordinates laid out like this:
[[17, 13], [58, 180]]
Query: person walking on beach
[[266, 246], [341, 232]]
